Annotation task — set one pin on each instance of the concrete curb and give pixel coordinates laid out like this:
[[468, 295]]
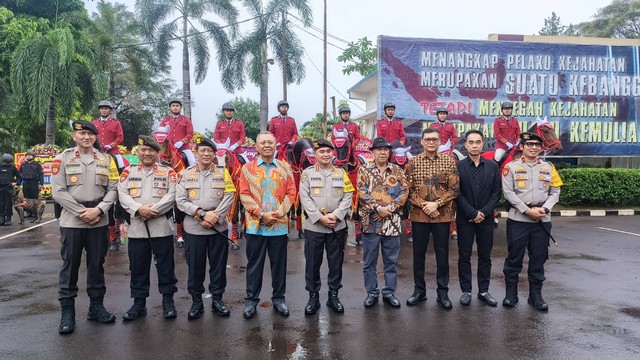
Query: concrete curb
[[570, 213]]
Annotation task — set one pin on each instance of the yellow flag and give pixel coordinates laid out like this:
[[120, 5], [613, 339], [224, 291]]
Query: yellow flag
[[556, 181], [348, 186], [113, 170], [228, 183]]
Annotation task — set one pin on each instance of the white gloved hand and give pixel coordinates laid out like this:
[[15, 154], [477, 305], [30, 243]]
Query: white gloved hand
[[509, 145], [178, 145], [278, 145], [291, 143], [444, 147], [233, 147], [107, 147]]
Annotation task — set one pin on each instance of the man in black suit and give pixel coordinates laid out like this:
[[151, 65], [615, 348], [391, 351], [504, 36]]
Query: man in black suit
[[480, 186]]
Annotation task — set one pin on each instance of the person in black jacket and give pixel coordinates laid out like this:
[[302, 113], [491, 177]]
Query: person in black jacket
[[480, 186], [32, 177], [9, 177]]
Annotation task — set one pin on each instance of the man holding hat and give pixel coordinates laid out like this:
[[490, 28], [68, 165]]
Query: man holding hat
[[205, 194], [230, 128], [390, 128], [83, 182], [110, 133], [325, 195], [32, 176], [382, 191], [181, 130], [147, 193], [531, 187]]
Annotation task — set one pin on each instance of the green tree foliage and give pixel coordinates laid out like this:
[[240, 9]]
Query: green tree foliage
[[248, 111], [250, 55], [314, 129], [47, 9], [166, 20], [135, 121], [620, 19], [360, 57], [553, 27]]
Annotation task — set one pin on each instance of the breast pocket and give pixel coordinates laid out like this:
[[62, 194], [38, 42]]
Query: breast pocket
[[74, 175], [193, 191], [218, 192], [544, 181], [135, 189], [337, 189], [159, 189], [316, 190], [102, 175]]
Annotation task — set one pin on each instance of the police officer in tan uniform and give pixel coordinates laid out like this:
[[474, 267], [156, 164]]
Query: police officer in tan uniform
[[325, 195], [532, 187], [147, 193], [83, 181], [205, 194]]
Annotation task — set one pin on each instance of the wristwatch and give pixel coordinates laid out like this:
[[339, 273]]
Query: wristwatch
[[202, 213], [260, 216], [546, 211]]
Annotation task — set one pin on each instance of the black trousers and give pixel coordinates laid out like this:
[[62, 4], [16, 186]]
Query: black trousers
[[421, 232], [95, 242], [197, 249], [140, 251], [258, 246], [314, 245], [30, 189], [483, 235], [6, 203], [528, 236]]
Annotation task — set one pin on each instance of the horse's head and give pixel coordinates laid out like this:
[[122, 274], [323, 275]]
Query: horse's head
[[340, 138], [544, 129], [161, 133], [400, 155], [302, 154]]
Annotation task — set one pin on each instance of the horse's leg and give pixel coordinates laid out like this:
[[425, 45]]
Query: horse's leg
[[453, 230], [298, 213]]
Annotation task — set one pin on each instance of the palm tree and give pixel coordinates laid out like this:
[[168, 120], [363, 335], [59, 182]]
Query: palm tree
[[49, 70], [166, 20], [250, 56]]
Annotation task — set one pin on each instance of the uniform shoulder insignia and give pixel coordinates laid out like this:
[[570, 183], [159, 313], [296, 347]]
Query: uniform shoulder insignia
[[506, 170], [173, 177], [556, 180], [229, 186], [55, 166], [125, 175]]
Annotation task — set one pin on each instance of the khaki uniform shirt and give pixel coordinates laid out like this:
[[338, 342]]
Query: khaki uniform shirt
[[530, 184], [157, 188], [208, 190], [77, 179], [325, 191]]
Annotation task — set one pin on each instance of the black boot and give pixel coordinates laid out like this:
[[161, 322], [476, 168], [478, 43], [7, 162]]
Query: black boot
[[168, 307], [197, 307], [68, 319], [138, 309], [511, 297], [7, 221], [333, 302], [313, 304], [218, 306], [535, 298], [98, 312]]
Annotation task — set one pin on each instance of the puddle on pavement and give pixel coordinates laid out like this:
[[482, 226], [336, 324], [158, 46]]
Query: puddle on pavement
[[39, 307], [635, 312], [580, 256]]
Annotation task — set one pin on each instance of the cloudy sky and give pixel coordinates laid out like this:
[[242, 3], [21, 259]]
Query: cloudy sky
[[350, 20]]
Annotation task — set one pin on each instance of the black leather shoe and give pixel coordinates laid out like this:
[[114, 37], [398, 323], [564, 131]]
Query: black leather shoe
[[218, 307], [197, 308], [538, 303], [68, 318], [333, 302], [169, 308], [391, 300], [416, 298], [137, 310], [510, 301], [465, 299], [487, 299], [370, 300], [98, 313], [281, 308], [444, 302], [312, 305], [249, 311]]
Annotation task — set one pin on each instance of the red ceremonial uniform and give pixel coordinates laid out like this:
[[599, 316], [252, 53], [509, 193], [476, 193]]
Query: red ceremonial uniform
[[109, 133], [233, 131], [391, 131], [447, 132], [284, 129], [506, 131], [181, 130], [352, 128]]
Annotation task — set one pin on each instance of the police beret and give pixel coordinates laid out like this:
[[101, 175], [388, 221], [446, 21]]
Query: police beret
[[148, 141], [380, 142], [200, 141], [84, 125], [323, 143], [528, 136]]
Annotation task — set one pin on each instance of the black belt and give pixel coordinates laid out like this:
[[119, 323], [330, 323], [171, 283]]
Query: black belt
[[90, 203]]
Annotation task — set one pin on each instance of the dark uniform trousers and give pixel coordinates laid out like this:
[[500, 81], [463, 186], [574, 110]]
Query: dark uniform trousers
[[74, 240], [30, 189], [482, 233], [6, 203], [140, 250], [421, 232], [197, 249], [314, 245], [258, 246], [528, 236]]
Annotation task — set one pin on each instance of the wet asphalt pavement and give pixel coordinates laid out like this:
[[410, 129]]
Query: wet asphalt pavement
[[592, 287]]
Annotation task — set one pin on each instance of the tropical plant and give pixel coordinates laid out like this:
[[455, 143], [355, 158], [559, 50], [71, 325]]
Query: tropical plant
[[360, 56], [166, 20], [248, 111], [314, 129], [620, 19], [250, 55]]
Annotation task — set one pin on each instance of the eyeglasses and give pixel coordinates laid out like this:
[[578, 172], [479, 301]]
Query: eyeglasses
[[533, 144], [431, 140]]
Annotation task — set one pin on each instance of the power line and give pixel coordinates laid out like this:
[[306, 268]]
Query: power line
[[320, 30], [315, 36]]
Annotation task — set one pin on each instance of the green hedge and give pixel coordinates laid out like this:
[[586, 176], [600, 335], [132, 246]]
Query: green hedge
[[597, 186]]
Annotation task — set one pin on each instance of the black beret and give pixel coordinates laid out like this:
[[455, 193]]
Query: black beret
[[84, 125], [205, 142], [323, 143], [148, 141]]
